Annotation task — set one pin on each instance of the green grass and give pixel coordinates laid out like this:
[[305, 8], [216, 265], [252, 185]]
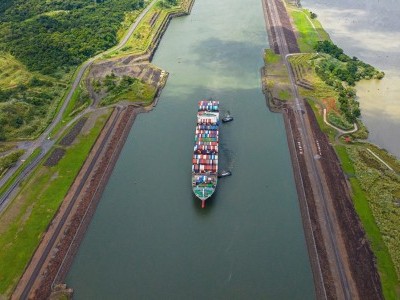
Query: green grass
[[10, 181], [6, 146], [12, 72], [318, 26], [9, 160], [144, 34], [346, 163], [284, 95], [308, 36], [331, 132], [39, 200], [391, 160], [310, 30], [390, 283], [339, 121], [138, 91], [72, 107], [79, 101], [129, 19], [270, 57]]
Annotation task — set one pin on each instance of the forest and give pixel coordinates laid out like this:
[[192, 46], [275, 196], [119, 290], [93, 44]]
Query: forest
[[337, 68], [41, 44], [48, 35]]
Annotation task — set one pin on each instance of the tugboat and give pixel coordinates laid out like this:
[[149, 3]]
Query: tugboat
[[227, 118], [205, 152], [224, 174]]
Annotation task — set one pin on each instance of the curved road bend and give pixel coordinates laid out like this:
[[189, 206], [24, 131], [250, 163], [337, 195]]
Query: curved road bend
[[314, 171], [43, 142]]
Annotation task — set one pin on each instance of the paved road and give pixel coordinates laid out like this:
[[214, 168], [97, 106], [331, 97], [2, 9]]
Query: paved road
[[44, 142], [43, 256], [315, 173]]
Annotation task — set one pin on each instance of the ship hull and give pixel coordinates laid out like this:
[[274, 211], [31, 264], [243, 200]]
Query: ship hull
[[205, 152]]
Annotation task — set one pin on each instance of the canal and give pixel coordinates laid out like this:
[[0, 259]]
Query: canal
[[149, 238]]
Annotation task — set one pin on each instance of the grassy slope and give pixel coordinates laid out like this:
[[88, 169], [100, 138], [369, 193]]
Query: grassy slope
[[140, 92], [12, 72], [142, 38], [361, 202], [361, 198], [276, 77], [309, 30], [39, 199]]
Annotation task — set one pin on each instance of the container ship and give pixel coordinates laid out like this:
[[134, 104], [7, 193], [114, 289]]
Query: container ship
[[205, 152]]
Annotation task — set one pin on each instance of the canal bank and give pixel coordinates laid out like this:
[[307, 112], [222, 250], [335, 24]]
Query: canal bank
[[148, 230], [369, 30], [52, 258], [334, 233]]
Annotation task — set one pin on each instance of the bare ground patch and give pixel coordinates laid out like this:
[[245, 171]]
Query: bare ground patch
[[54, 157], [69, 138], [124, 66], [92, 118]]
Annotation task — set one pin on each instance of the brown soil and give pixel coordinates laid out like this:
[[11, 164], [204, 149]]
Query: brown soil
[[73, 133], [144, 71], [289, 34], [330, 104], [362, 259], [154, 18], [312, 227], [54, 157]]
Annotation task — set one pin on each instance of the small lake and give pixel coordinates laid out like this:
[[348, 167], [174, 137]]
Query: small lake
[[370, 30]]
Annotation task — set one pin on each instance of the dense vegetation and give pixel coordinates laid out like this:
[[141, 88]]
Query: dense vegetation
[[375, 189], [9, 160], [343, 67], [337, 68], [124, 88], [48, 35], [24, 109], [41, 42], [376, 196]]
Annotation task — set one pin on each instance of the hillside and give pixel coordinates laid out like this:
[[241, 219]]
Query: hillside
[[41, 43]]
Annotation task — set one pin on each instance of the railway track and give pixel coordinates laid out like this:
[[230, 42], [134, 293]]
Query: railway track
[[316, 175]]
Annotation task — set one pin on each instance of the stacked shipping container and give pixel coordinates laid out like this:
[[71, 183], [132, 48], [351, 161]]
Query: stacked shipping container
[[205, 156]]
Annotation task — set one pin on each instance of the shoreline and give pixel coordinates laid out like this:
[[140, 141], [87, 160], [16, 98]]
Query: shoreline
[[103, 169], [54, 255], [340, 255]]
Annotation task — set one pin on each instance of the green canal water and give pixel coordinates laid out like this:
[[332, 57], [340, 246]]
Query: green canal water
[[149, 238]]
